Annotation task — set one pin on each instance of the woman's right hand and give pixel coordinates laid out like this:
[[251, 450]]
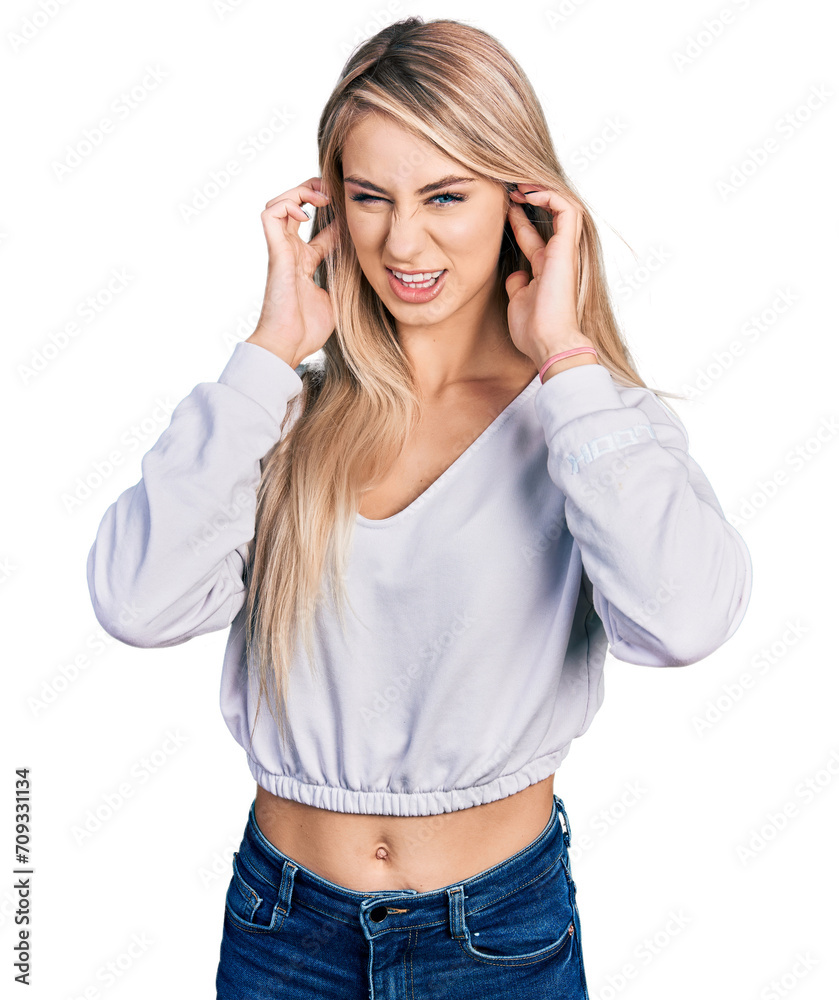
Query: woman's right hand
[[297, 315]]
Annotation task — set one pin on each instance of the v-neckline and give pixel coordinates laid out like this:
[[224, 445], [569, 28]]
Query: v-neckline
[[457, 464]]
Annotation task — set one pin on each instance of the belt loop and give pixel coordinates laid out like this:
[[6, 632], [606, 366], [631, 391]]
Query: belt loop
[[567, 831], [286, 887], [457, 918]]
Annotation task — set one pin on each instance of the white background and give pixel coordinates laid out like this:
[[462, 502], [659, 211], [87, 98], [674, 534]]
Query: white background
[[652, 113]]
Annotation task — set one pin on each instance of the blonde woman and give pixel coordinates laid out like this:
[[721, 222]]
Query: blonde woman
[[426, 493]]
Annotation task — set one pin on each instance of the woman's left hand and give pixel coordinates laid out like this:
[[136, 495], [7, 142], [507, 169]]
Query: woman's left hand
[[542, 313]]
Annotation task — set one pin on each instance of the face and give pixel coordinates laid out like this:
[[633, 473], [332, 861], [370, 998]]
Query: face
[[402, 218]]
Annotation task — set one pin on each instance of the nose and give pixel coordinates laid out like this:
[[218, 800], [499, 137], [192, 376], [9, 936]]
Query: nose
[[405, 237]]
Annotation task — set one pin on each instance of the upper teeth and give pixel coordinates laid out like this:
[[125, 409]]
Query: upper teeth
[[424, 276]]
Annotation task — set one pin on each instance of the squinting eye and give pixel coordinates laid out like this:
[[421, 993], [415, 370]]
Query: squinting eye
[[444, 194]]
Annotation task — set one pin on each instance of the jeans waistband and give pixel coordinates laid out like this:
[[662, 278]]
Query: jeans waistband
[[407, 907]]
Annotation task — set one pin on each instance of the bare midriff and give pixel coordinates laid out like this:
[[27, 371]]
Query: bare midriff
[[368, 853]]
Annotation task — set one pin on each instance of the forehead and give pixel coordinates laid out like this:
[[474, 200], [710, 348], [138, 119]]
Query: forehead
[[383, 150]]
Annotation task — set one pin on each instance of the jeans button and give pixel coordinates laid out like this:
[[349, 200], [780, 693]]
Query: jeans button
[[378, 913]]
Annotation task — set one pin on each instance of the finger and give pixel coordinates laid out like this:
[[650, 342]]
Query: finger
[[292, 202], [566, 215], [326, 240], [302, 194], [282, 220], [312, 184], [305, 197], [520, 191], [282, 209], [516, 281], [524, 231], [567, 226]]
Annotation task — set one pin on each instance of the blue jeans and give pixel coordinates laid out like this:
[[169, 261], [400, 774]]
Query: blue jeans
[[512, 931]]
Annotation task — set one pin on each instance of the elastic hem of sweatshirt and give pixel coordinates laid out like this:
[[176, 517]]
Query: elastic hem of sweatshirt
[[577, 392], [262, 375], [419, 803]]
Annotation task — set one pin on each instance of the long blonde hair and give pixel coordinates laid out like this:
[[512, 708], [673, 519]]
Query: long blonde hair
[[456, 87]]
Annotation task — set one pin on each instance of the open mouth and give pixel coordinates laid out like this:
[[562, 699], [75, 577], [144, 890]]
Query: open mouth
[[423, 282]]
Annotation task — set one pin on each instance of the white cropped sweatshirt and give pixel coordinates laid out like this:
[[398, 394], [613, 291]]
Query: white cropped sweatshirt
[[481, 613]]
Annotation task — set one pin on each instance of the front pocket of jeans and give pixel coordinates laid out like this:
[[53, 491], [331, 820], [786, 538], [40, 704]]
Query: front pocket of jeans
[[252, 899], [531, 924]]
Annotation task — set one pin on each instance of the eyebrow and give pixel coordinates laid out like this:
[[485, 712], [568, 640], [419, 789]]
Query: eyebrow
[[443, 182]]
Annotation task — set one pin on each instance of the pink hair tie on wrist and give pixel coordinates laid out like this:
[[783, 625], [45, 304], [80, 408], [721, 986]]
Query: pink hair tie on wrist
[[565, 354]]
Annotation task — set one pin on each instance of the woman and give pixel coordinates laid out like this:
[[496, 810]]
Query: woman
[[495, 495]]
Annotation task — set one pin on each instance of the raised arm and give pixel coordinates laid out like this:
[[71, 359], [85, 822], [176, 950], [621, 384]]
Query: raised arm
[[670, 577], [170, 552], [168, 560]]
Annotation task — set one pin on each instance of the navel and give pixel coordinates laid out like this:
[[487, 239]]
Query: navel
[[382, 854]]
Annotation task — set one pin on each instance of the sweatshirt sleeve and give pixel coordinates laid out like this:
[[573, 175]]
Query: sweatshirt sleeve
[[168, 560], [670, 577]]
